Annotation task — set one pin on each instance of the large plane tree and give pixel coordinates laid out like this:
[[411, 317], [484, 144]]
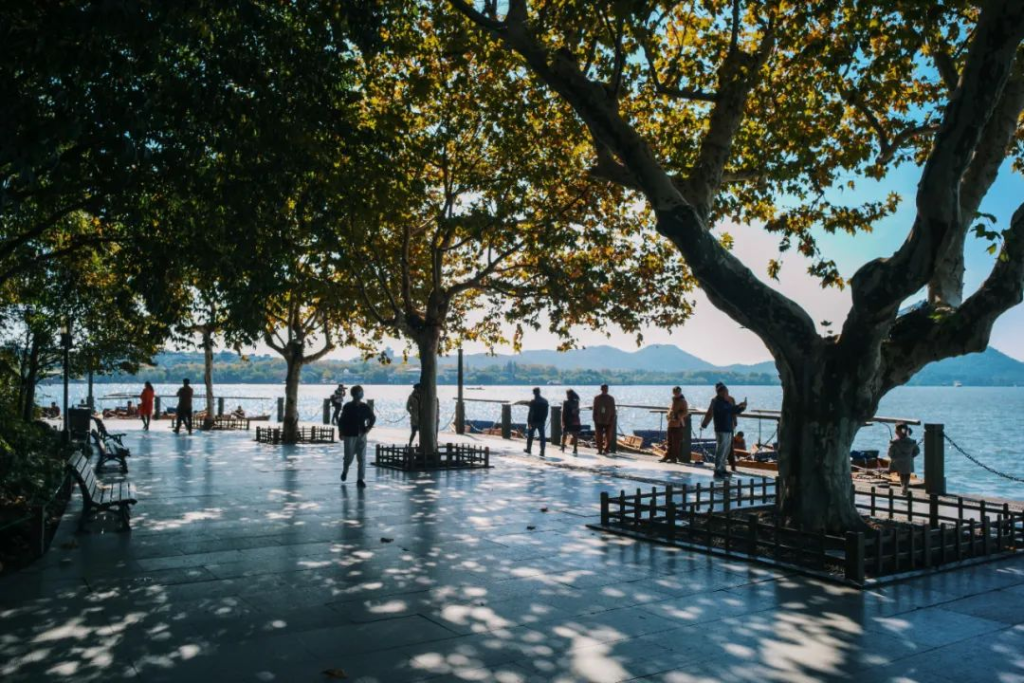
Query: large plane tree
[[468, 220], [760, 111]]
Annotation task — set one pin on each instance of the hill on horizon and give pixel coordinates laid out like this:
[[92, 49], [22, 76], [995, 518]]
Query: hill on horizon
[[656, 364]]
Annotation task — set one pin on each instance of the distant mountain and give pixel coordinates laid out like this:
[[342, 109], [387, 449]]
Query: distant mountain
[[658, 364], [991, 367], [988, 368], [654, 357]]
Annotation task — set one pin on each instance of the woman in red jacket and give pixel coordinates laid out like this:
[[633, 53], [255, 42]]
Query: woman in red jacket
[[146, 405]]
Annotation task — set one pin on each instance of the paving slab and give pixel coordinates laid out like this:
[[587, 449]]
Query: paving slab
[[250, 562]]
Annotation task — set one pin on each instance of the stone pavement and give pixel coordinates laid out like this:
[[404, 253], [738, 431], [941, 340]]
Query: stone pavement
[[254, 563]]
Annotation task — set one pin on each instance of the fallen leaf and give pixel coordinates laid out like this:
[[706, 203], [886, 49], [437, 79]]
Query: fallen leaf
[[530, 528], [65, 560], [385, 539], [543, 509], [335, 673], [69, 545]]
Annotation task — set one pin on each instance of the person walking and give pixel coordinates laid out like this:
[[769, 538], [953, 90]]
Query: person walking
[[536, 420], [604, 420], [337, 400], [677, 412], [355, 422], [571, 420], [412, 406], [902, 451], [722, 411], [183, 413]]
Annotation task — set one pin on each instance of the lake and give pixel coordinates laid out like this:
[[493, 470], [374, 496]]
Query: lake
[[985, 421]]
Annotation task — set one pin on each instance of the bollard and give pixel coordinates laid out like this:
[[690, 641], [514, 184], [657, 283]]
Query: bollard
[[460, 406], [613, 440], [556, 425], [460, 417], [220, 406], [687, 445], [934, 459], [327, 411], [156, 407], [280, 409], [506, 420]]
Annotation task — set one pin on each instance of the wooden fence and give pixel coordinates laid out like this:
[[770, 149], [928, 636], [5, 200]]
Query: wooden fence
[[450, 456], [272, 435], [230, 422], [731, 519]]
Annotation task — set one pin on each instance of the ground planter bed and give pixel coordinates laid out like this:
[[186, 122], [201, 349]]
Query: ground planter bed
[[909, 535], [449, 457], [27, 531], [272, 435]]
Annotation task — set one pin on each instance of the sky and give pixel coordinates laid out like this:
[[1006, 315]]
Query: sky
[[714, 337]]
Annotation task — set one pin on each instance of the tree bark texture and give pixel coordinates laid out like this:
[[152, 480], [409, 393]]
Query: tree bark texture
[[29, 381], [294, 361], [208, 376], [427, 343]]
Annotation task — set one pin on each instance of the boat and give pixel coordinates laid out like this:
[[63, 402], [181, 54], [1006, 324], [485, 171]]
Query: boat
[[957, 383]]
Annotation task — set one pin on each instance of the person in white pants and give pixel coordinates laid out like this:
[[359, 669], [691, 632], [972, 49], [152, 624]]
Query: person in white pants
[[354, 423], [722, 411]]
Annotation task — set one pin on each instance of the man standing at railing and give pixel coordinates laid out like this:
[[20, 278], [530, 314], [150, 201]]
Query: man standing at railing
[[723, 411], [604, 420], [183, 414], [536, 419]]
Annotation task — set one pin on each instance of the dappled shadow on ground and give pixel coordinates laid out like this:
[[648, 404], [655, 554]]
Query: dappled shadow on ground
[[250, 563]]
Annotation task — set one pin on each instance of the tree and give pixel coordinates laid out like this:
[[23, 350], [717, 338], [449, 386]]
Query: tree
[[736, 109], [467, 221], [93, 293]]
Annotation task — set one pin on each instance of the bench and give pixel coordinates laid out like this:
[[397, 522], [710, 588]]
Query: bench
[[107, 436], [97, 498], [109, 449]]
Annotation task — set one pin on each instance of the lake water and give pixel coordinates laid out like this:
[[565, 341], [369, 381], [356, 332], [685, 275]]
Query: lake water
[[985, 421]]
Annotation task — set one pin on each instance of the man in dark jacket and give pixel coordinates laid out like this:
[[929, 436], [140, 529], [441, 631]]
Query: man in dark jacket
[[354, 423], [722, 411], [183, 415], [536, 420]]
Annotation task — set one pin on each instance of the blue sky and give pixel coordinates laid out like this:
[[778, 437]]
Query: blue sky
[[714, 337]]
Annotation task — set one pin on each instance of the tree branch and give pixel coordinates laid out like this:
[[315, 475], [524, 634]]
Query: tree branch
[[929, 334], [328, 347], [881, 285], [783, 325], [947, 281]]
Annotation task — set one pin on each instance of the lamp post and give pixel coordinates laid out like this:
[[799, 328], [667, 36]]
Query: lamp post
[[65, 343]]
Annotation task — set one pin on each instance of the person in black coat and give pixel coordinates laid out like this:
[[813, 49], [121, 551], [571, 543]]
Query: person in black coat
[[536, 420]]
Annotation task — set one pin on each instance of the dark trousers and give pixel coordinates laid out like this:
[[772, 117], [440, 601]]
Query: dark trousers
[[603, 437], [183, 417], [675, 444], [539, 427]]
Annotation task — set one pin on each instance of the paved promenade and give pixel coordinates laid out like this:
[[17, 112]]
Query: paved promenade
[[254, 563]]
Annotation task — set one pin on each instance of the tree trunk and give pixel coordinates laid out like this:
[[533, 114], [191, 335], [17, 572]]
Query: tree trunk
[[208, 376], [822, 409], [427, 342], [29, 381], [290, 426]]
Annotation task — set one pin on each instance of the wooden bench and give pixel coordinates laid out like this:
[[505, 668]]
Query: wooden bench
[[107, 436], [108, 450], [97, 498]]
